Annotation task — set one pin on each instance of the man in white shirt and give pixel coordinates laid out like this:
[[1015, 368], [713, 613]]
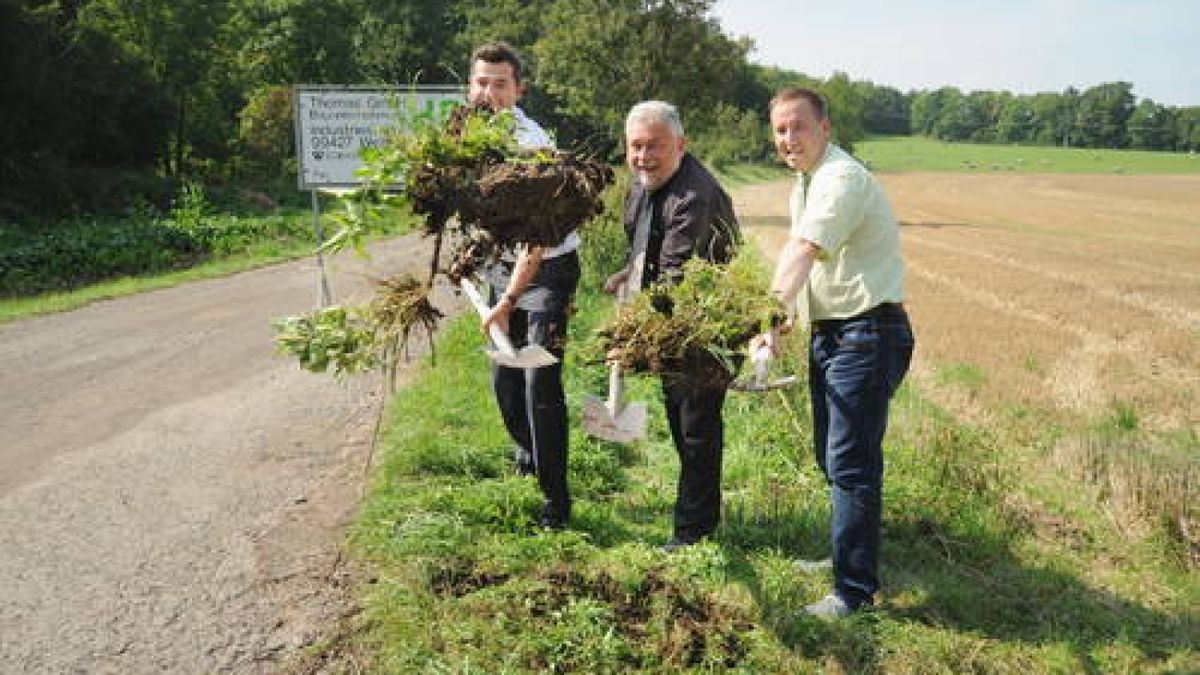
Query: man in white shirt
[[842, 262], [532, 290]]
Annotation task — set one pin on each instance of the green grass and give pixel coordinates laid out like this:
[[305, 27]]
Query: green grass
[[966, 376], [46, 303], [916, 153], [251, 255], [984, 570]]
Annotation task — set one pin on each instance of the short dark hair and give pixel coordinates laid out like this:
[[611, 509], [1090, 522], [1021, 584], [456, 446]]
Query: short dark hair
[[796, 93], [498, 52]]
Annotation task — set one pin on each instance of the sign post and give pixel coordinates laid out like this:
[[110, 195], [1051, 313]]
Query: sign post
[[334, 123]]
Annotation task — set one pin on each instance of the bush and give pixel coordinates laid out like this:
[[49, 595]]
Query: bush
[[266, 131], [85, 251]]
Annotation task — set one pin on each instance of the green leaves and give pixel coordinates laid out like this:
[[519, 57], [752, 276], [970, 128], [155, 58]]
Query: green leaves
[[599, 58], [698, 327], [334, 338], [355, 339], [398, 172]]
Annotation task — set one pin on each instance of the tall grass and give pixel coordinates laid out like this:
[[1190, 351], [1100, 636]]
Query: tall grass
[[976, 579]]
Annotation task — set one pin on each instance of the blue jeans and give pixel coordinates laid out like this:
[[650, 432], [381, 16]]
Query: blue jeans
[[855, 366]]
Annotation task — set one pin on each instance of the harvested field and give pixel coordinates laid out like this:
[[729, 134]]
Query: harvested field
[[1080, 293]]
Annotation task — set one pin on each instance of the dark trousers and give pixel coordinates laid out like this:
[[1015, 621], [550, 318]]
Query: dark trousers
[[855, 366], [694, 415], [533, 405], [531, 400]]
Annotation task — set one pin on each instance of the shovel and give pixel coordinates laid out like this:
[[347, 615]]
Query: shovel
[[612, 419], [533, 356], [759, 380]]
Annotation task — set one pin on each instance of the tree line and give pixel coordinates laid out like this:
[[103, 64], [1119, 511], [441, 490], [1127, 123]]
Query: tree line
[[1104, 116], [109, 103]]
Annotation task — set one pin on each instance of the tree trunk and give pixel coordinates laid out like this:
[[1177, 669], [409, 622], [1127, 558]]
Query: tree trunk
[[181, 135]]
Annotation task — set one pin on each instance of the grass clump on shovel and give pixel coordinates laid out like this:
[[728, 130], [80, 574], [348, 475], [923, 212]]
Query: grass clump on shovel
[[695, 330], [469, 180]]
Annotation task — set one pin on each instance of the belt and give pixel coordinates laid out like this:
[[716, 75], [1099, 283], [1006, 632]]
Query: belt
[[878, 311]]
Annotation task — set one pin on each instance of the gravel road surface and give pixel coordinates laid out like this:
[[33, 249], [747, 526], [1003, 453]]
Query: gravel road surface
[[173, 495]]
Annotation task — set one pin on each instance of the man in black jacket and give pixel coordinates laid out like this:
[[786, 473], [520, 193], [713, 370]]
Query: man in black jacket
[[687, 213]]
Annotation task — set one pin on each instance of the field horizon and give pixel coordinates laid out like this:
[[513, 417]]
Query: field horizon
[[889, 154]]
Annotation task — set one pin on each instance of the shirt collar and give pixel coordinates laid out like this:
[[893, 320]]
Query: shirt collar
[[805, 177]]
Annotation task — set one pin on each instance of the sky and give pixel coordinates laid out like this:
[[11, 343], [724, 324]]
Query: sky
[[1021, 46]]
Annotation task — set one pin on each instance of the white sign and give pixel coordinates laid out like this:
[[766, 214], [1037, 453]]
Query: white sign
[[335, 123]]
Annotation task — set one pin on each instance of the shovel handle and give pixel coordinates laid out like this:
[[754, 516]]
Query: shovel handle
[[616, 389], [499, 338], [761, 358]]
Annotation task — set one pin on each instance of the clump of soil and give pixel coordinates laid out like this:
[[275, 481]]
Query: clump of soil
[[472, 252], [533, 198], [541, 200], [501, 199], [695, 331], [438, 193]]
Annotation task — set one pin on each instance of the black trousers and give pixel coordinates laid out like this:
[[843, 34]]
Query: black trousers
[[531, 400], [694, 415]]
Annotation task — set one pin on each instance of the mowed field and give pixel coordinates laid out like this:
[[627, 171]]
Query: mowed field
[[1063, 310]]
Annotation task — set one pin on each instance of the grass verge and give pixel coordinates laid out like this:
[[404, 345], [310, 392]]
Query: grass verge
[[47, 303], [255, 253]]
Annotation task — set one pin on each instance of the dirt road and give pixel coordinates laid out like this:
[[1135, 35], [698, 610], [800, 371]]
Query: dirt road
[[173, 494]]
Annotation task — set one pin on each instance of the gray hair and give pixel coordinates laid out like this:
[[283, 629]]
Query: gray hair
[[656, 112]]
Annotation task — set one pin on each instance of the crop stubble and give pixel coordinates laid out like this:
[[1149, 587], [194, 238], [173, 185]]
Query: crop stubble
[[1068, 291]]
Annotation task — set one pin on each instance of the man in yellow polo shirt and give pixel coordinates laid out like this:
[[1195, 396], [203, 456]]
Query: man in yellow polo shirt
[[845, 243]]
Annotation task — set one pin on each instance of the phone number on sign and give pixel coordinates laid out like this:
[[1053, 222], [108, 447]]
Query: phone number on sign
[[332, 142]]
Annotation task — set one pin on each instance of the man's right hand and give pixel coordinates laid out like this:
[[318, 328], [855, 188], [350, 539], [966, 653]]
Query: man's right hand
[[771, 340], [498, 315], [613, 283], [768, 340]]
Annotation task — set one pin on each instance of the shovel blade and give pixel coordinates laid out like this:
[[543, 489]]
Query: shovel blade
[[627, 426], [533, 356]]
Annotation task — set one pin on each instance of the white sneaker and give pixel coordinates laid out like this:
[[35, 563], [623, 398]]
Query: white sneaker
[[829, 607]]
